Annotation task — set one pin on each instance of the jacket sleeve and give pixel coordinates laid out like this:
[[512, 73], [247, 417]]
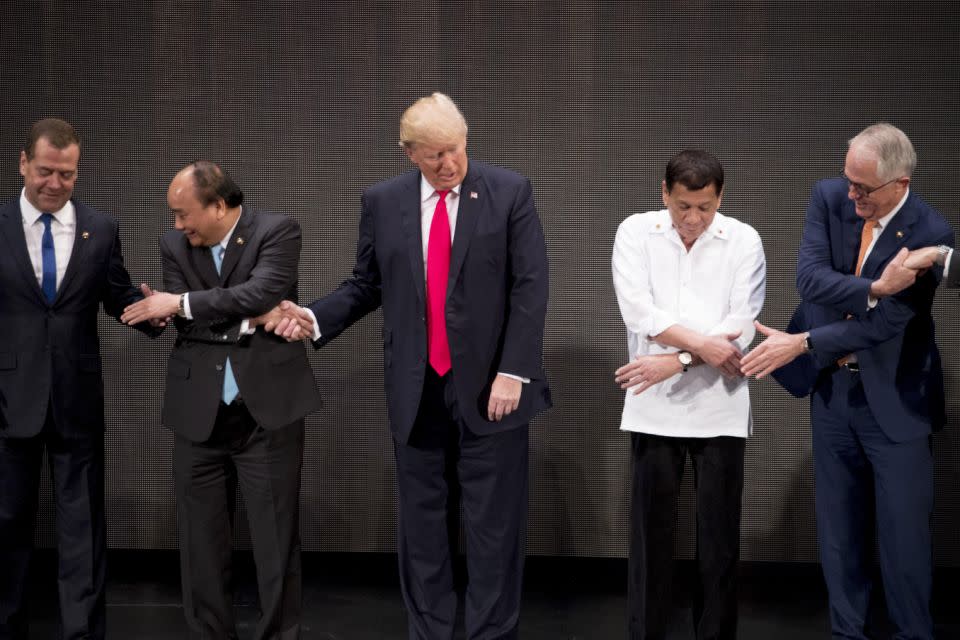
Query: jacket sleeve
[[273, 276], [528, 290]]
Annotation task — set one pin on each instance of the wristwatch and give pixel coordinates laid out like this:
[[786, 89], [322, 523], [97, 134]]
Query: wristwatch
[[685, 360], [942, 252], [807, 343], [181, 310]]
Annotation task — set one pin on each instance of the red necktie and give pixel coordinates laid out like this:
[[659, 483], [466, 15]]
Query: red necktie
[[438, 270]]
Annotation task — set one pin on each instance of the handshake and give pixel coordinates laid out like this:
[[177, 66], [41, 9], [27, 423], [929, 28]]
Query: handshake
[[287, 319]]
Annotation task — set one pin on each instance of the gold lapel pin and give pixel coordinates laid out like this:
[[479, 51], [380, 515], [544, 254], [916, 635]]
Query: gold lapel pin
[[899, 234], [239, 240], [85, 235]]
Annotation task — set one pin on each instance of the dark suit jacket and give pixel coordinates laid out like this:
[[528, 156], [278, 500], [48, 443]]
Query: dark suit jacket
[[496, 294], [259, 270], [894, 342], [51, 352]]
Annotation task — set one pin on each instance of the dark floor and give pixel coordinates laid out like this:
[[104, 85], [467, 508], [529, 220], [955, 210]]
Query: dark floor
[[356, 597]]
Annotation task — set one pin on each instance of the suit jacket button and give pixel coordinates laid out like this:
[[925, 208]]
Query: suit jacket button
[[219, 367]]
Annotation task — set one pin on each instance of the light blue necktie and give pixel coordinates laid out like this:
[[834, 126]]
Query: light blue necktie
[[230, 388], [49, 282]]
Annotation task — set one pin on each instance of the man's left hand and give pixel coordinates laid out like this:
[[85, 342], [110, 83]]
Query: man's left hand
[[504, 397], [778, 349], [646, 371], [155, 306]]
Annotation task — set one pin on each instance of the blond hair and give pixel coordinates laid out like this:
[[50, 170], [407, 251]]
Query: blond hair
[[432, 119]]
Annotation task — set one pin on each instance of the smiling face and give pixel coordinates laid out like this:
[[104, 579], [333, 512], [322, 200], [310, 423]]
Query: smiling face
[[691, 211], [860, 168], [49, 176], [201, 225], [444, 165]]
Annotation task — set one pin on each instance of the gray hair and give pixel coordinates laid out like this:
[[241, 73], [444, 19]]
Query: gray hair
[[890, 146], [432, 119]]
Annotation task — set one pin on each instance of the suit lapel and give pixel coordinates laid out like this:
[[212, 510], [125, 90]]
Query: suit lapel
[[852, 228], [409, 202], [201, 262], [11, 228], [894, 236], [236, 246], [468, 210], [81, 243]]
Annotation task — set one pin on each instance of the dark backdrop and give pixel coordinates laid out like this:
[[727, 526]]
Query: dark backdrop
[[300, 101]]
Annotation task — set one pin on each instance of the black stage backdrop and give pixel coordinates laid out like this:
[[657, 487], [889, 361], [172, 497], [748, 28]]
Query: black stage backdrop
[[300, 101]]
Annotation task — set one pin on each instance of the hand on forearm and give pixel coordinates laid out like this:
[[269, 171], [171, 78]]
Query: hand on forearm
[[646, 371], [896, 276]]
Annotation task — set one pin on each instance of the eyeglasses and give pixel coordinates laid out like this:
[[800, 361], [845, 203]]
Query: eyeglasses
[[863, 191]]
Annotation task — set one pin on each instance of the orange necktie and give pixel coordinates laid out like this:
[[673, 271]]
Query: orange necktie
[[866, 237]]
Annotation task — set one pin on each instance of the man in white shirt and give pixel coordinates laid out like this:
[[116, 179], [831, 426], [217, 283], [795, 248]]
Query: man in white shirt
[[689, 281]]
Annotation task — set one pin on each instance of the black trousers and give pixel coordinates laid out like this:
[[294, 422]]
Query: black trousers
[[718, 475], [266, 464], [76, 467], [443, 466]]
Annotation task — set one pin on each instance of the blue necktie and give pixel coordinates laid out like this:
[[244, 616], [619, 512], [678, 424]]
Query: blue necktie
[[230, 388], [49, 282]]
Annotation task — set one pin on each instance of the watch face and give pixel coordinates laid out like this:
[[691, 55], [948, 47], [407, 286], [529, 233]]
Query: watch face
[[685, 358]]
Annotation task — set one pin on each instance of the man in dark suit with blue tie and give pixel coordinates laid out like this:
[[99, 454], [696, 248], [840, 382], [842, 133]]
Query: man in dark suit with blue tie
[[864, 343], [59, 260], [235, 397], [463, 340]]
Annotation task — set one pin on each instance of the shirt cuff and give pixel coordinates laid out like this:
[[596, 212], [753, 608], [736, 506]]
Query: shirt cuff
[[515, 377], [186, 307], [871, 302], [316, 326], [946, 263], [245, 327]]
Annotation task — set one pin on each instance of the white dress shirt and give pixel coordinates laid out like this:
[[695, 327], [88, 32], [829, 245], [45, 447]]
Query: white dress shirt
[[715, 288], [63, 227]]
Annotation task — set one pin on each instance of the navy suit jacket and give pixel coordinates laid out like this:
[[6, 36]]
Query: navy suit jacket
[[51, 352], [894, 341], [496, 294]]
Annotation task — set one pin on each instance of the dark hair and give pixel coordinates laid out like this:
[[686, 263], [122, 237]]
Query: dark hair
[[59, 133], [213, 183], [694, 169]]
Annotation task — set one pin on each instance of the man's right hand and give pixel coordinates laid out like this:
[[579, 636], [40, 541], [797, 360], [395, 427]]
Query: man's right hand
[[721, 353], [286, 320]]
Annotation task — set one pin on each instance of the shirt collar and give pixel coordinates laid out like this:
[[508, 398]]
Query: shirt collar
[[717, 229], [427, 191], [31, 214], [885, 220]]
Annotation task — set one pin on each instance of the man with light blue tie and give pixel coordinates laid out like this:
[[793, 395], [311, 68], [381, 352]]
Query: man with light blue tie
[[236, 397], [59, 260]]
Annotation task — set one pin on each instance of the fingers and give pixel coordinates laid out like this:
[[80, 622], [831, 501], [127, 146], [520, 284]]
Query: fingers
[[733, 336], [146, 290], [901, 256], [765, 330]]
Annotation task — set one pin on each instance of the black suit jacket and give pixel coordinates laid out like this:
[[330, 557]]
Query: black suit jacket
[[496, 294], [51, 352], [259, 270]]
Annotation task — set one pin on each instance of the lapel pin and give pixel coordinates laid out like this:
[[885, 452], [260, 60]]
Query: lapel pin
[[473, 195], [240, 241], [899, 234], [85, 235]]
